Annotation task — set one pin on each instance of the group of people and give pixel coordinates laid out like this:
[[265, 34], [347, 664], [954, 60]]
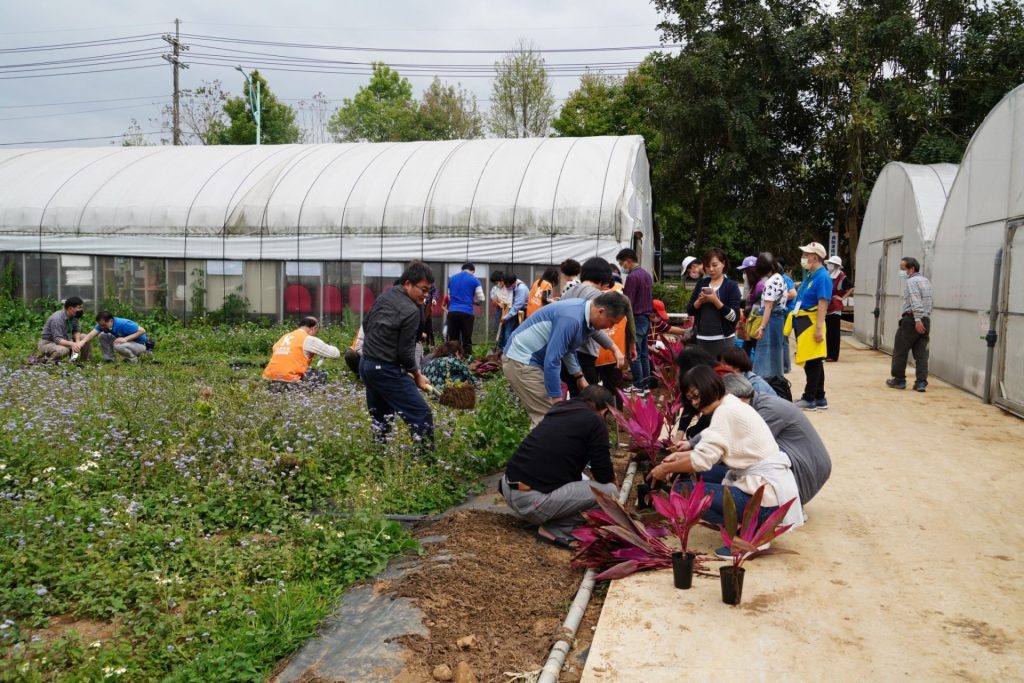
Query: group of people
[[63, 336]]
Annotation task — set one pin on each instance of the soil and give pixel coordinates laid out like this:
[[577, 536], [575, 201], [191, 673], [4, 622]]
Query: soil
[[500, 587]]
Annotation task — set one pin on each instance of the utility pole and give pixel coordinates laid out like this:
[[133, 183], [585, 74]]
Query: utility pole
[[254, 100], [176, 49]]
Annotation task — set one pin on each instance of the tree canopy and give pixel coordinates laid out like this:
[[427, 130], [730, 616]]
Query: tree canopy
[[522, 105], [277, 120]]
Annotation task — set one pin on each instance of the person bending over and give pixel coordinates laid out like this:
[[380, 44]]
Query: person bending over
[[293, 352], [543, 480], [118, 335]]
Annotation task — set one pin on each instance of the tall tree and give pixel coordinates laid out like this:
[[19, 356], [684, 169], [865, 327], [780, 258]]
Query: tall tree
[[277, 120], [202, 114], [448, 112], [134, 137], [314, 114], [381, 111], [591, 108], [522, 105]]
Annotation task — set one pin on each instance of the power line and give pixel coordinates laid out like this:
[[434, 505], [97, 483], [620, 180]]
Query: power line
[[76, 113], [342, 72], [75, 73], [142, 37], [95, 137], [62, 104], [79, 60]]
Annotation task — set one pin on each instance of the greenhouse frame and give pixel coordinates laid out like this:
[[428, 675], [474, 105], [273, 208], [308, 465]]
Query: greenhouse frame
[[312, 229]]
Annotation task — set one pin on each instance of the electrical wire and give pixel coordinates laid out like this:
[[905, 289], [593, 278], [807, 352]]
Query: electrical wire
[[96, 137], [75, 73], [62, 104], [85, 43], [76, 113], [79, 60]]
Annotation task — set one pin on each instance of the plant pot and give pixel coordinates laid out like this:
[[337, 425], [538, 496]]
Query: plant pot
[[732, 584], [642, 492], [682, 569]]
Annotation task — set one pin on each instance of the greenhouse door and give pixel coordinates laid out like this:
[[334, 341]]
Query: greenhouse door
[[890, 294], [1010, 390]]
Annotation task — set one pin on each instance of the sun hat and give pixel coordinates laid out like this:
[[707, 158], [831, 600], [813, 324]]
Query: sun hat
[[659, 308], [836, 260], [815, 248], [748, 262], [687, 261]]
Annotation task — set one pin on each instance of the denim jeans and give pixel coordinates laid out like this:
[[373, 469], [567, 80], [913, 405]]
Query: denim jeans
[[716, 513], [641, 367], [389, 392]]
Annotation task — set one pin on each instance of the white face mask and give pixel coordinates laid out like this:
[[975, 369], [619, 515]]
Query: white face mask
[[903, 274], [805, 263]]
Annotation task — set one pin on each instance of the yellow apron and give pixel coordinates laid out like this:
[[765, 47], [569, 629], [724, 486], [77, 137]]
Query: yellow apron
[[802, 324]]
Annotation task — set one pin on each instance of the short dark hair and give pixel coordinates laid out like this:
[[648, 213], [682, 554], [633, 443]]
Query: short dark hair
[[715, 252], [497, 276], [415, 272], [73, 301], [596, 269], [689, 358], [626, 253], [550, 274], [570, 267], [765, 265], [510, 278], [735, 357], [104, 316], [613, 303], [911, 262], [468, 266], [449, 348], [597, 396], [706, 383], [309, 321]]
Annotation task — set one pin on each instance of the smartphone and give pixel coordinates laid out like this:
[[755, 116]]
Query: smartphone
[[707, 291]]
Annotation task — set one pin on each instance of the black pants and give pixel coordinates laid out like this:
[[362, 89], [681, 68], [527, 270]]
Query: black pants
[[833, 326], [611, 379], [815, 372], [352, 360], [589, 373], [907, 341], [460, 329]]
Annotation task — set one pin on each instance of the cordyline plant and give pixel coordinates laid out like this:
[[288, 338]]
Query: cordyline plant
[[643, 421], [615, 541], [683, 510], [744, 538]]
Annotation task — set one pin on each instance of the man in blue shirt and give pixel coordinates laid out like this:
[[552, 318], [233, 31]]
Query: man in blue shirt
[[520, 297], [464, 291], [536, 351], [118, 335], [809, 325]]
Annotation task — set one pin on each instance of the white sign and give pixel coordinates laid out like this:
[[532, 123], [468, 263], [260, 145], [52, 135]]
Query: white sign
[[833, 243]]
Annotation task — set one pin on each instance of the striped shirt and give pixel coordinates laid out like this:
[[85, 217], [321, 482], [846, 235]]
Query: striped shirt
[[917, 297]]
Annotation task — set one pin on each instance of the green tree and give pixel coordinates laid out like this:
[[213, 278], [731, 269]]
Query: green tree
[[591, 109], [448, 112], [277, 120], [522, 105], [381, 111]]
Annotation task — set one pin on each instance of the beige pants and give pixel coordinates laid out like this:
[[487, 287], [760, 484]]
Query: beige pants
[[527, 383], [58, 352]]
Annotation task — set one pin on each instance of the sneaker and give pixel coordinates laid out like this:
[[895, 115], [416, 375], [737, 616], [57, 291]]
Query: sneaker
[[896, 383], [821, 404], [724, 553], [920, 386], [806, 405]]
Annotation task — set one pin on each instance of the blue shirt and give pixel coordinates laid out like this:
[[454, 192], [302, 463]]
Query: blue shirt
[[816, 285], [790, 303], [520, 295], [124, 327], [550, 337], [462, 291]]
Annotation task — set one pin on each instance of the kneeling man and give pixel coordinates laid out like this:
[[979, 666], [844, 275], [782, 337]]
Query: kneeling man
[[543, 481]]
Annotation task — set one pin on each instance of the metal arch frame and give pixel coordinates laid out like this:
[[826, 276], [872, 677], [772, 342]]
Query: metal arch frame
[[554, 199], [384, 209], [433, 186], [519, 190], [476, 188], [604, 186]]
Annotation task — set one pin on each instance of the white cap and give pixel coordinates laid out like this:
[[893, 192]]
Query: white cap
[[687, 261], [836, 260]]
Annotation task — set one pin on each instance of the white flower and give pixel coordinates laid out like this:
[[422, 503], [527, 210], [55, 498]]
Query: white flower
[[3, 466], [96, 643], [95, 455], [47, 470]]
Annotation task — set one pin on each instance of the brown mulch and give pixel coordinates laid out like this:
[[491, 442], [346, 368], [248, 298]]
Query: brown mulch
[[510, 593]]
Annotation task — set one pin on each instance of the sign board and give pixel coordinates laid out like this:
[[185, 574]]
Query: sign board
[[833, 243]]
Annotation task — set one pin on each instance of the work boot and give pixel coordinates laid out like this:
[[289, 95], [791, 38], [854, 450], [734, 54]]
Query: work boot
[[919, 386], [896, 383]]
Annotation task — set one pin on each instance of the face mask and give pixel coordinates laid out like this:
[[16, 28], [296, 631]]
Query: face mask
[[79, 314], [804, 263], [903, 275]]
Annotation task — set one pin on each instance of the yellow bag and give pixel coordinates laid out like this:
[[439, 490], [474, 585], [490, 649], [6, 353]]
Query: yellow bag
[[753, 325]]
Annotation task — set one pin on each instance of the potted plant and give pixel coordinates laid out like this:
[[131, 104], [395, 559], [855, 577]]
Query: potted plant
[[643, 422], [748, 538], [683, 510]]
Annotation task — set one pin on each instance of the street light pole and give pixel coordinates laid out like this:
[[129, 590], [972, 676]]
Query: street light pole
[[254, 100]]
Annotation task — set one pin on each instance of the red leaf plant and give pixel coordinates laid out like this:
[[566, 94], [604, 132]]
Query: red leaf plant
[[745, 538], [643, 422], [617, 543], [683, 510]]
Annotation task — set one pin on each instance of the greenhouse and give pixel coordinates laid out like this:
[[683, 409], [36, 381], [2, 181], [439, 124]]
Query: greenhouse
[[311, 229], [983, 224], [901, 219]]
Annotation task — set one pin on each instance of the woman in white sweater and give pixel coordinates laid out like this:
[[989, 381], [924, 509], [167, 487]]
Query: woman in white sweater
[[739, 439]]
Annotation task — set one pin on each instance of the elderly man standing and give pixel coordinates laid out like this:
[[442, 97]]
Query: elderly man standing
[[62, 333], [389, 368], [548, 339], [912, 335]]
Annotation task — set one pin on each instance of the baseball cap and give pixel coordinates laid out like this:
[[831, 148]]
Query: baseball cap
[[814, 248], [748, 262], [687, 261], [836, 260], [659, 307]]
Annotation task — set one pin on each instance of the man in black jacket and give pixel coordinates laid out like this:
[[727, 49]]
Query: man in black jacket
[[389, 367], [543, 482]]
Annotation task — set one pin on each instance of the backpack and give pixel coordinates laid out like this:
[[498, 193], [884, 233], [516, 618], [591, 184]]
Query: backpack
[[781, 385]]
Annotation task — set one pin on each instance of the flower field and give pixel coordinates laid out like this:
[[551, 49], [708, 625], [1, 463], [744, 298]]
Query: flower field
[[174, 520]]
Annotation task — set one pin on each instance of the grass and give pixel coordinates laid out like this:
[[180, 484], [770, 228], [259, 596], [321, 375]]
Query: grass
[[173, 520]]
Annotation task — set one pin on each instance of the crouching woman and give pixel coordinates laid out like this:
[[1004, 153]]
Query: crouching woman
[[739, 439]]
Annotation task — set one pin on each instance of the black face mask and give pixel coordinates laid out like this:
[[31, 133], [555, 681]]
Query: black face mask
[[79, 314]]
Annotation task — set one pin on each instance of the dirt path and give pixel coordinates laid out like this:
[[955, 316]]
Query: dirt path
[[910, 567]]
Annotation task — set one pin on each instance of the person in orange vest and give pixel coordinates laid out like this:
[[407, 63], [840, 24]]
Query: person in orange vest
[[293, 352], [543, 291], [623, 334]]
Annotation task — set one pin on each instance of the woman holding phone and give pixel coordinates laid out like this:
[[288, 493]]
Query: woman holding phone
[[715, 305]]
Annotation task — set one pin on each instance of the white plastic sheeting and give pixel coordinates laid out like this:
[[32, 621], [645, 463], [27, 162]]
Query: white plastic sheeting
[[985, 212], [521, 201], [902, 219]]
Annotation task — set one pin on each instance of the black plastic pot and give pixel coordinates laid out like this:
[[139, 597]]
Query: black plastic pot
[[682, 569], [732, 584], [642, 493]]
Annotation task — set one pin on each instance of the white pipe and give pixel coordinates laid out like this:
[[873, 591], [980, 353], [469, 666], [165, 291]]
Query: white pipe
[[560, 650]]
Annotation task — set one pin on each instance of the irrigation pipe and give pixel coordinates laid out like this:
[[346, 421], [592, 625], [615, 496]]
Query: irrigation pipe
[[560, 650]]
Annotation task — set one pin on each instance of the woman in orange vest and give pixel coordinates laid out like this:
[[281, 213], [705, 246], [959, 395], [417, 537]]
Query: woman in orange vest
[[293, 352], [543, 291], [623, 335]]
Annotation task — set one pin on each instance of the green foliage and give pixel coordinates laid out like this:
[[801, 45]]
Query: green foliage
[[382, 111], [197, 295], [500, 424], [522, 105], [673, 295], [234, 311], [277, 120], [448, 112]]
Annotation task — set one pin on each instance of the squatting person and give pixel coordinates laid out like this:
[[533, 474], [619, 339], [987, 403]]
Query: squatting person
[[293, 352], [118, 335], [62, 334]]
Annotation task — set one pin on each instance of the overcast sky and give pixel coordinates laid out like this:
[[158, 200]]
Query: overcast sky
[[448, 25]]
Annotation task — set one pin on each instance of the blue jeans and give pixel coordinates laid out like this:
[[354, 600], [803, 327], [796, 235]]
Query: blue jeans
[[716, 513], [770, 358], [506, 331], [641, 367], [391, 391]]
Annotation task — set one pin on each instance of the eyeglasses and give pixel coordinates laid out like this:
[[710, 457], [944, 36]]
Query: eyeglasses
[[423, 288]]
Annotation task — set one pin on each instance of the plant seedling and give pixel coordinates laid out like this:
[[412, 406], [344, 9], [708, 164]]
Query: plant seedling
[[683, 510], [745, 538]]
